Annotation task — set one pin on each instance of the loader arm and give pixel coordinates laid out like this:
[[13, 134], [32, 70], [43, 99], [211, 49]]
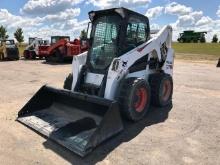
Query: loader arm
[[29, 46], [77, 63], [59, 43]]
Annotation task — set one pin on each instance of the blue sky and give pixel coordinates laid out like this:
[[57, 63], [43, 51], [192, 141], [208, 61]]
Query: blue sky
[[49, 17]]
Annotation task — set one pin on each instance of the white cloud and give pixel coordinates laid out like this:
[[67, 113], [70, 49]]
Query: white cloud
[[45, 32], [70, 28], [41, 7], [218, 12], [62, 23], [177, 9], [116, 3], [190, 19], [154, 12], [12, 21], [197, 15], [204, 21], [154, 26], [63, 15], [6, 18], [75, 24], [185, 21]]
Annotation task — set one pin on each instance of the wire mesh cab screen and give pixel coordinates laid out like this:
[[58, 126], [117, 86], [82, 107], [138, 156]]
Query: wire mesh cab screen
[[104, 34], [31, 40]]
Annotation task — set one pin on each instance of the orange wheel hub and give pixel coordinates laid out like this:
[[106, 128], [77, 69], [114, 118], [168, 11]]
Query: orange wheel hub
[[141, 99]]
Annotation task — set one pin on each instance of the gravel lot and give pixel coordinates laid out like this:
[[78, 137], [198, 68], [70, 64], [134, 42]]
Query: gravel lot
[[187, 133]]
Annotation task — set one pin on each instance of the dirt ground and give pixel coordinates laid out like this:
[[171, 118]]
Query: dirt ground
[[186, 133]]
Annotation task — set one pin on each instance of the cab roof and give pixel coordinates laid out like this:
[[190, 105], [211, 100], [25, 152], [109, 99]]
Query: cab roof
[[123, 12]]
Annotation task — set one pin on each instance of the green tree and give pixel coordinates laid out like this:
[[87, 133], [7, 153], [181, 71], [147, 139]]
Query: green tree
[[3, 33], [19, 35], [202, 39], [83, 35], [215, 39]]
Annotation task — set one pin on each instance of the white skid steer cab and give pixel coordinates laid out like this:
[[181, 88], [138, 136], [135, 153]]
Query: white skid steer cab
[[123, 72], [32, 50]]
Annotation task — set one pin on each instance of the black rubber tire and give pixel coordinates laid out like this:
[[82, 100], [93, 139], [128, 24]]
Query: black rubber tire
[[68, 82], [26, 54], [1, 56], [33, 56], [58, 57], [48, 59], [126, 98], [18, 55], [157, 84], [218, 64]]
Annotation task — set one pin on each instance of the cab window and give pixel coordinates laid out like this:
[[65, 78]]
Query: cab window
[[9, 42], [136, 34]]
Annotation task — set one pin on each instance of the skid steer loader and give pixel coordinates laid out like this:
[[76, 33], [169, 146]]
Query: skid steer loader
[[124, 70], [32, 50], [8, 50]]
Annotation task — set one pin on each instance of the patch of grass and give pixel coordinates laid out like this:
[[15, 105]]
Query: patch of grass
[[197, 51]]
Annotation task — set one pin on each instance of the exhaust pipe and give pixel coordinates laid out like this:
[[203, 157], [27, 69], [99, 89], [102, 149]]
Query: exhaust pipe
[[77, 121]]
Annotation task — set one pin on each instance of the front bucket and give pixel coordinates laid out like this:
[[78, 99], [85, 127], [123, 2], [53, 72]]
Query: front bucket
[[78, 122]]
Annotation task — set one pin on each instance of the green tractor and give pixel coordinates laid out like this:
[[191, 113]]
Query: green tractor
[[191, 36]]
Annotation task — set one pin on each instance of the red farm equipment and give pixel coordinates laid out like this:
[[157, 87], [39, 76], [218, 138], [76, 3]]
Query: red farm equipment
[[32, 50], [62, 48]]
